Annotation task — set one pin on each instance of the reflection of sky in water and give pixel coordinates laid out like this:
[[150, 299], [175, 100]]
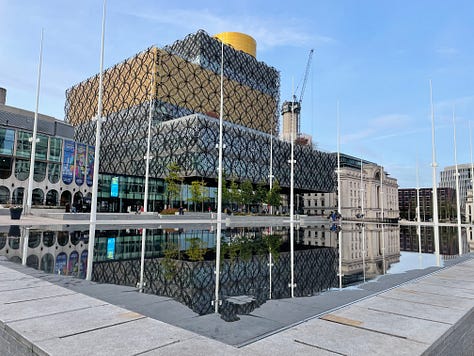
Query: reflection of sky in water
[[413, 260]]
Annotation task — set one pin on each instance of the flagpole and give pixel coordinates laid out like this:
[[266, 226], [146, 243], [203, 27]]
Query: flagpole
[[95, 181], [458, 205], [339, 198], [29, 194], [435, 191], [219, 187]]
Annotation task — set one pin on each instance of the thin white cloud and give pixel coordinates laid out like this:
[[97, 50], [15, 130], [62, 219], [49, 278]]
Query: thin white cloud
[[268, 33], [447, 51]]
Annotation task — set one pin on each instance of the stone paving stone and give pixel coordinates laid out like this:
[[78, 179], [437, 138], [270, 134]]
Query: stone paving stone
[[347, 340], [39, 292], [435, 289], [275, 346], [52, 305], [403, 326], [71, 322], [442, 314], [411, 295], [198, 346], [131, 338]]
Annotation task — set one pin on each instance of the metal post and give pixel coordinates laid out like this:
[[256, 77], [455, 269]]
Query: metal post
[[458, 204], [339, 198], [435, 191], [29, 194], [219, 188], [95, 181], [142, 261], [292, 207], [363, 213], [148, 157]]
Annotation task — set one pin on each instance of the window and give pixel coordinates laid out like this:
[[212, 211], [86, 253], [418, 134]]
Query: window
[[55, 148], [23, 144], [7, 140]]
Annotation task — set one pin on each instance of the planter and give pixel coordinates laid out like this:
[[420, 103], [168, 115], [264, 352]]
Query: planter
[[15, 213]]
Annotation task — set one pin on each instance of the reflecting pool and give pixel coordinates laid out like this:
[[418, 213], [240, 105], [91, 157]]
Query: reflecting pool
[[179, 262]]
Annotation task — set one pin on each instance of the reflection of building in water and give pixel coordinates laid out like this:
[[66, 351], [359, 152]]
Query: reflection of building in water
[[407, 202], [448, 239], [377, 187], [380, 250], [59, 252]]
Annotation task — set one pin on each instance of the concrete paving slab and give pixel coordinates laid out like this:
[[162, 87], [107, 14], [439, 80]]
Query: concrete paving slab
[[168, 311], [451, 283], [52, 305], [284, 346], [411, 295], [432, 288], [39, 292], [430, 312], [72, 322], [22, 283], [196, 347], [402, 326], [232, 333], [134, 337], [348, 340]]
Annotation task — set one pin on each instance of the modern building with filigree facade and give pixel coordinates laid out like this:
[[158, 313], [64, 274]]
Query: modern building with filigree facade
[[177, 88]]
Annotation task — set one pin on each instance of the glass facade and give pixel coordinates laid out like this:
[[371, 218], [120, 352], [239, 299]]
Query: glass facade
[[23, 144], [55, 149], [7, 141]]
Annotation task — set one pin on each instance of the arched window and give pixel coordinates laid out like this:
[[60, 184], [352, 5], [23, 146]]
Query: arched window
[[52, 198], [37, 197], [4, 195], [17, 196]]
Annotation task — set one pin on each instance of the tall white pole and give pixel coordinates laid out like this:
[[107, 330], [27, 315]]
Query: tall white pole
[[148, 143], [363, 213], [458, 204], [29, 194], [95, 180], [418, 215], [219, 187], [339, 192], [142, 262], [292, 207], [382, 202], [435, 190], [472, 169], [270, 176]]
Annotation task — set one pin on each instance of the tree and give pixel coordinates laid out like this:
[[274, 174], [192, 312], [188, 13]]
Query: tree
[[273, 196], [198, 192], [173, 182], [261, 193], [246, 193], [234, 192]]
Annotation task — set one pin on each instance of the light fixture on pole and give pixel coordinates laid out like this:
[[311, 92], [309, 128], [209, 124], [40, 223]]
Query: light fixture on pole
[[95, 180], [219, 188], [33, 139], [362, 192]]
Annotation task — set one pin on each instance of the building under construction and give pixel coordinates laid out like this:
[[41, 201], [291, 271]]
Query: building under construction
[[178, 88]]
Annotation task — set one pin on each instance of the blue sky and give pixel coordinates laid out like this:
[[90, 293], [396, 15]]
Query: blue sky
[[375, 57]]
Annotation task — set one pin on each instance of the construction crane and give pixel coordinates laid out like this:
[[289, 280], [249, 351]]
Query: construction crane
[[303, 87], [293, 107]]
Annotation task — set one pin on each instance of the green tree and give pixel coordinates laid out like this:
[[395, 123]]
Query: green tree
[[273, 196], [173, 183], [261, 193], [234, 192], [246, 193], [198, 193]]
